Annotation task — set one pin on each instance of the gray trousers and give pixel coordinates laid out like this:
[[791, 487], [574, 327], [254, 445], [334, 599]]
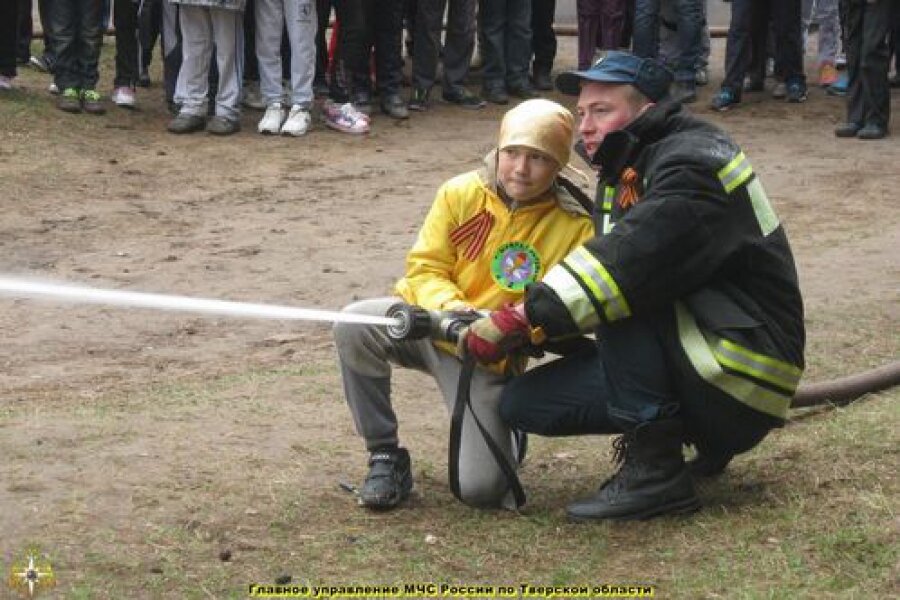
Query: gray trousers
[[459, 42], [202, 29], [299, 16], [366, 354], [825, 13]]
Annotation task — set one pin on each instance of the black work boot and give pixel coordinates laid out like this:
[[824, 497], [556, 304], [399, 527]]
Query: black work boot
[[389, 480], [652, 479]]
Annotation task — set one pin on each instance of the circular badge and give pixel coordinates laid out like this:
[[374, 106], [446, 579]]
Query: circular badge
[[515, 265]]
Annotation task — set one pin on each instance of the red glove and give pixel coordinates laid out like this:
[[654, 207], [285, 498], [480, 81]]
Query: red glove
[[491, 338]]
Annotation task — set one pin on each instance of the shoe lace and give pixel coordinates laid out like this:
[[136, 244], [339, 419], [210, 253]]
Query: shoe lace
[[91, 95]]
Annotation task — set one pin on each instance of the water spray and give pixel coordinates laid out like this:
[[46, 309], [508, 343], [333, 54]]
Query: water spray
[[38, 290]]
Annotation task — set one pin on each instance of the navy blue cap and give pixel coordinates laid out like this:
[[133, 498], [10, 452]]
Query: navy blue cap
[[648, 75]]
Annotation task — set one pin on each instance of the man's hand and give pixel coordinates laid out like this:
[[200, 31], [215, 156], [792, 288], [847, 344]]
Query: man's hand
[[491, 338]]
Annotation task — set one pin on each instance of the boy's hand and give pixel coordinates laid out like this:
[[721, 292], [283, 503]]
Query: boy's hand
[[491, 338]]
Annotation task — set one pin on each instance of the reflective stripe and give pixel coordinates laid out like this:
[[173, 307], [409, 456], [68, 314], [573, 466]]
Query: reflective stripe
[[607, 224], [573, 296], [784, 375], [704, 361], [736, 172], [765, 216], [609, 194], [597, 279]]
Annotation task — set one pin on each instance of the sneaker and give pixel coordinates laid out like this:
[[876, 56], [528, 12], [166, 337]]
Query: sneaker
[[495, 95], [362, 102], [828, 74], [222, 126], [40, 63], [251, 98], [298, 121], [779, 91], [839, 87], [796, 92], [525, 92], [872, 132], [144, 78], [6, 83], [345, 117], [70, 100], [272, 120], [724, 100], [186, 123], [847, 130], [389, 480], [463, 98], [92, 102], [418, 99], [394, 106], [123, 96], [701, 76], [53, 89]]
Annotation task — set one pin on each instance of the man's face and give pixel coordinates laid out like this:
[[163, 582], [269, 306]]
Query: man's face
[[603, 108], [525, 173]]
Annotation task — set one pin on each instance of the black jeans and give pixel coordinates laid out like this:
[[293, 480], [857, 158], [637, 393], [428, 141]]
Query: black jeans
[[506, 42], [125, 20], [75, 27], [458, 46], [690, 31], [8, 24], [636, 373], [25, 29], [543, 38], [866, 28]]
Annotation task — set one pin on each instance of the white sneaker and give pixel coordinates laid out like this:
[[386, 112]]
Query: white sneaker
[[272, 120], [123, 96], [298, 121], [6, 83], [53, 89]]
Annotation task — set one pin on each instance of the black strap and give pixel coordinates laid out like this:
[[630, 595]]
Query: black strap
[[577, 193], [463, 400]]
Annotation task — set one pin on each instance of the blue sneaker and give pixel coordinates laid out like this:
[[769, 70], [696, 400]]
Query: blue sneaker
[[796, 92], [724, 100], [839, 87]]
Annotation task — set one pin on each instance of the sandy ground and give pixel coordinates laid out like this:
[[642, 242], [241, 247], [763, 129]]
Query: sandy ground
[[119, 423]]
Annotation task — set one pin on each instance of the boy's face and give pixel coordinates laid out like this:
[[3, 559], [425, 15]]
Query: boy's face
[[525, 173]]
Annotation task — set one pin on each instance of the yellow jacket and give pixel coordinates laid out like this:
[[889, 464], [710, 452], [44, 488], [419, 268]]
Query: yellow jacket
[[475, 251]]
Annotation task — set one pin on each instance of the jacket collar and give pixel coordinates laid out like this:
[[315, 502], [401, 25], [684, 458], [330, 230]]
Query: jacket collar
[[620, 149]]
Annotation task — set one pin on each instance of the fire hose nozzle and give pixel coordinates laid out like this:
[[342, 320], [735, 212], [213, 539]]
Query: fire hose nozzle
[[415, 323]]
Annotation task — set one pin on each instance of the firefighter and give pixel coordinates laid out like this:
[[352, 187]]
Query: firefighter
[[690, 286]]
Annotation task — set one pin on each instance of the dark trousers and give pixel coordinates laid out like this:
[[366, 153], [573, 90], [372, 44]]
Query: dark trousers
[[75, 27], [506, 38], [125, 20], [25, 29], [383, 36], [44, 13], [543, 38], [637, 373], [690, 30], [601, 24], [352, 55], [866, 28], [149, 28], [747, 40], [458, 45], [8, 23], [323, 13]]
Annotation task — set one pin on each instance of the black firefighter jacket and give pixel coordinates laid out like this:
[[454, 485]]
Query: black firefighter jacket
[[702, 241]]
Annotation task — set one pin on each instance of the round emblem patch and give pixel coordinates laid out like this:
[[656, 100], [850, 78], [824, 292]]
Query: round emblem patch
[[515, 265]]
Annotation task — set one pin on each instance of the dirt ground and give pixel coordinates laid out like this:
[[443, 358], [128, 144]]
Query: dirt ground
[[123, 429]]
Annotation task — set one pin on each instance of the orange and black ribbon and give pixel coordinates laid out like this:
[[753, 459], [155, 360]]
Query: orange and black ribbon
[[472, 234], [628, 196]]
